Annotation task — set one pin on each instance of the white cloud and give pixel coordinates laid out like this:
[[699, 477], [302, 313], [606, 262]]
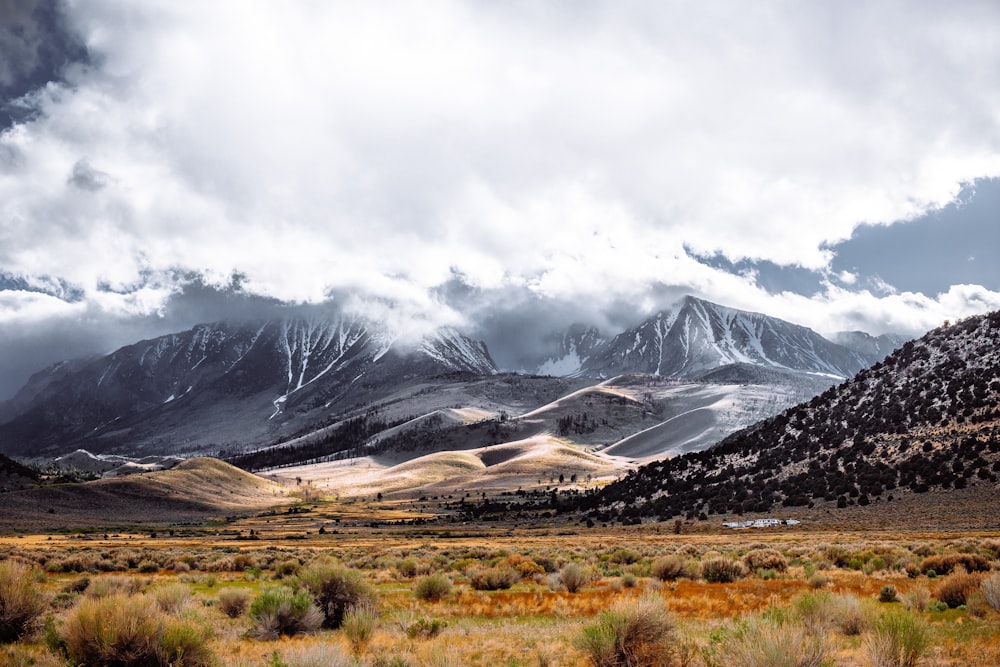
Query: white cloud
[[575, 150]]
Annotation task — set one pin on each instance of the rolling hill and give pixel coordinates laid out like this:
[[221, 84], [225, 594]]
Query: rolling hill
[[196, 489]]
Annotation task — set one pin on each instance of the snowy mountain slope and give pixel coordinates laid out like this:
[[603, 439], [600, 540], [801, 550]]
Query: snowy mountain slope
[[574, 349], [695, 336], [873, 348], [221, 384]]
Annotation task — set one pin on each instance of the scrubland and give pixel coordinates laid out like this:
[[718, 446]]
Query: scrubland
[[493, 596]]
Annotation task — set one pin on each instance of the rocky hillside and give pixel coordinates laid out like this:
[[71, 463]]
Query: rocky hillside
[[925, 418]]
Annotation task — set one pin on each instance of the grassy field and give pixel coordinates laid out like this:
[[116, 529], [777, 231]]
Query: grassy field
[[449, 595]]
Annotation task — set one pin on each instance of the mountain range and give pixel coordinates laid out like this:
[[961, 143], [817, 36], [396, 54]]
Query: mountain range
[[243, 386]]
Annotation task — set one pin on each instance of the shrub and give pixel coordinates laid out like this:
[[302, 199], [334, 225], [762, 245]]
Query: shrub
[[496, 578], [148, 567], [359, 625], [131, 631], [848, 616], [21, 603], [624, 556], [317, 655], [671, 568], [233, 601], [916, 599], [887, 594], [991, 591], [954, 590], [630, 634], [335, 590], [765, 559], [184, 643], [407, 567], [898, 640], [946, 563], [821, 611], [722, 570], [433, 587], [574, 577], [976, 603], [113, 585], [287, 569], [281, 611], [760, 642], [425, 628], [173, 598], [817, 580]]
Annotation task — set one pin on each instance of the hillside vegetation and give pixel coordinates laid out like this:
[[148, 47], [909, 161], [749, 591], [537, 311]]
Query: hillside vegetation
[[925, 418]]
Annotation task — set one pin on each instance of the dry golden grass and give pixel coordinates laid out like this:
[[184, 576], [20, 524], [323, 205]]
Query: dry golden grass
[[528, 624]]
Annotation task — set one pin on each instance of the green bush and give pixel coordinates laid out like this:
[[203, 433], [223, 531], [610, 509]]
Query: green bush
[[433, 587], [21, 603], [282, 611], [335, 590], [897, 640], [887, 594], [630, 634], [721, 570]]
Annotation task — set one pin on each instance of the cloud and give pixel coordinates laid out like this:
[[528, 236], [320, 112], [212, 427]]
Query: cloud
[[582, 154]]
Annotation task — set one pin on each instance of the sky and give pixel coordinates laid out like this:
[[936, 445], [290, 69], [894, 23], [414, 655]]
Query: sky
[[506, 168]]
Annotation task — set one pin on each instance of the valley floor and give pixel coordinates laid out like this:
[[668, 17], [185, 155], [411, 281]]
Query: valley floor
[[831, 587]]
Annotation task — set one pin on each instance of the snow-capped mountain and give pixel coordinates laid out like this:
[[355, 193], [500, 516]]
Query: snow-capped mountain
[[575, 347], [222, 383], [695, 336]]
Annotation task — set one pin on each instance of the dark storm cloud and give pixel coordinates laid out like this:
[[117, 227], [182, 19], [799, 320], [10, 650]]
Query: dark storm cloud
[[35, 46]]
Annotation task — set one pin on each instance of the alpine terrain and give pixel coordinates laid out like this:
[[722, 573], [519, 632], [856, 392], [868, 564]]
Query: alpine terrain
[[307, 391]]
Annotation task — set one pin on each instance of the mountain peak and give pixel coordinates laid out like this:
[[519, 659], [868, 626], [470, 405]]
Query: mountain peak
[[695, 336]]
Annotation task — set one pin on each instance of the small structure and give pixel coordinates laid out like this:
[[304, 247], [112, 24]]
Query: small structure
[[761, 523]]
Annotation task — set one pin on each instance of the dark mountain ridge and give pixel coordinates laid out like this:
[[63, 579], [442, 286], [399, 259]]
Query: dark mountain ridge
[[927, 417], [221, 383]]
